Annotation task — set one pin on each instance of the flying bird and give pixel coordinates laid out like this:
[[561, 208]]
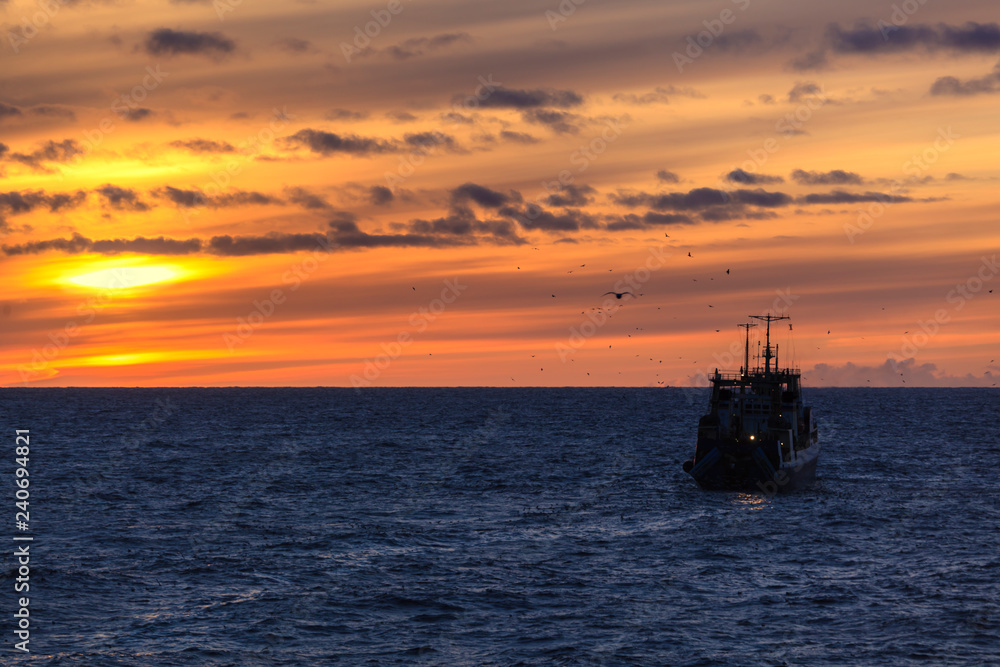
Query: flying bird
[[618, 295]]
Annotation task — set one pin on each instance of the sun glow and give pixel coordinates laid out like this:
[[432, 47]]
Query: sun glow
[[124, 277]]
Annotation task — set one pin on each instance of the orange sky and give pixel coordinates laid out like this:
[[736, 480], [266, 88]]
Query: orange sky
[[253, 194]]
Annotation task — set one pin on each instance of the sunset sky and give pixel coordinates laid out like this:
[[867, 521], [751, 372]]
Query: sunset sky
[[441, 193]]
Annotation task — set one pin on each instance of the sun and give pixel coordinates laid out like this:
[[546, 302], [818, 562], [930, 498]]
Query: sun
[[124, 277]]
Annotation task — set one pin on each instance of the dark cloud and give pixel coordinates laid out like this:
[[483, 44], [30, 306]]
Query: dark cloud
[[834, 177], [50, 151], [294, 45], [654, 218], [80, 244], [466, 225], [345, 114], [804, 89], [328, 143], [418, 46], [949, 85], [765, 99], [433, 139], [814, 60], [841, 197], [749, 178], [346, 234], [51, 111], [380, 195], [667, 176], [400, 116], [123, 199], [560, 122], [267, 244], [741, 41], [479, 194], [4, 149], [8, 111], [971, 37], [183, 198], [534, 217], [702, 198], [518, 137], [512, 98], [571, 195], [167, 42], [306, 199], [203, 146], [25, 201], [137, 114]]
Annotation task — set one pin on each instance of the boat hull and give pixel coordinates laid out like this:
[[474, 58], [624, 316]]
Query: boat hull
[[736, 466]]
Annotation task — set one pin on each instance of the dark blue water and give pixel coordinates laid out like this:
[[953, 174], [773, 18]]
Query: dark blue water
[[495, 527]]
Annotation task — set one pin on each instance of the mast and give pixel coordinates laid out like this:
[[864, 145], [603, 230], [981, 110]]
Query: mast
[[767, 348], [746, 349]]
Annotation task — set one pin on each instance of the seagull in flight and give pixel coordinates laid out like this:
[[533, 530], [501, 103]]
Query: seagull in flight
[[618, 295]]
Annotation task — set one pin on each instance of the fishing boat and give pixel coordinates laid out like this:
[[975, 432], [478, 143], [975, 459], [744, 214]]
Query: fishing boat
[[757, 434]]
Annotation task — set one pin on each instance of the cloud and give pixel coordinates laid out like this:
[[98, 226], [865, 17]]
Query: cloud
[[949, 85], [512, 98], [892, 373], [400, 116], [4, 149], [195, 198], [167, 42], [328, 143], [267, 244], [123, 199], [482, 195], [841, 197], [971, 37], [306, 199], [804, 89], [25, 201], [571, 195], [748, 178], [52, 111], [534, 217], [418, 46], [518, 137], [380, 195], [345, 114], [667, 176], [347, 235], [50, 151], [80, 244], [137, 114], [294, 45], [703, 198], [558, 121], [432, 139], [203, 145], [659, 95], [8, 111], [834, 177]]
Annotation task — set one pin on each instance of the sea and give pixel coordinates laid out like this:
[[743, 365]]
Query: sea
[[491, 526]]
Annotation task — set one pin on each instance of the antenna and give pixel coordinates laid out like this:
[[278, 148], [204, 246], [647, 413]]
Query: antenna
[[746, 350], [767, 348]]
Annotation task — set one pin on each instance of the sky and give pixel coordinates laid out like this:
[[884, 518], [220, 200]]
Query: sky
[[421, 193]]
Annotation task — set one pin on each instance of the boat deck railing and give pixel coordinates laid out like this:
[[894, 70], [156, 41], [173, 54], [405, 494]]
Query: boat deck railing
[[755, 374]]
